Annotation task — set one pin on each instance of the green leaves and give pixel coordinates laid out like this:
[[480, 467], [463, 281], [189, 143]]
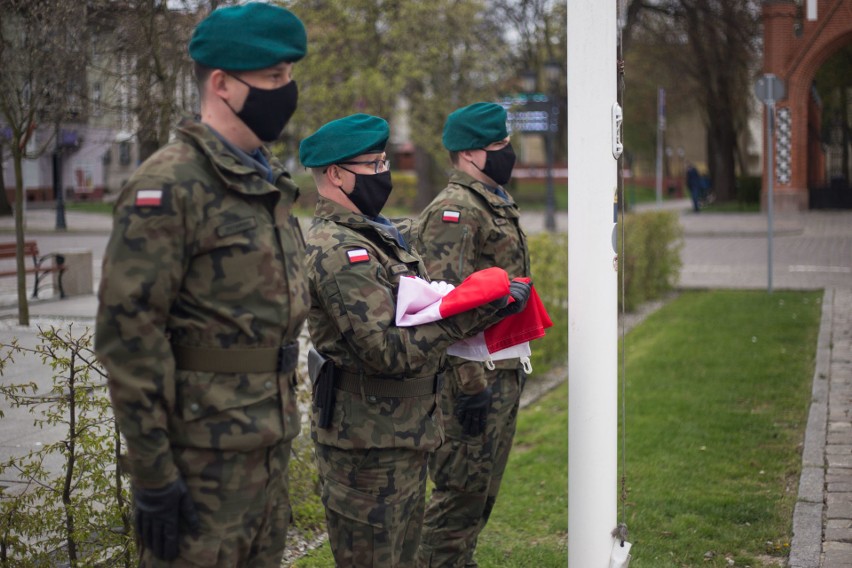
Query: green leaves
[[367, 56], [77, 511], [651, 262]]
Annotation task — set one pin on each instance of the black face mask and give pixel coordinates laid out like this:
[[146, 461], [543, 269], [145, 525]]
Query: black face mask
[[371, 192], [266, 111], [499, 164]]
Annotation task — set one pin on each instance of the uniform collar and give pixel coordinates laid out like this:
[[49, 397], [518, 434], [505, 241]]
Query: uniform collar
[[332, 211], [254, 177], [487, 192]]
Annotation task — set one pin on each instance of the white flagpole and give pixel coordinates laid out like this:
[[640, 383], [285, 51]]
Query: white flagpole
[[592, 288]]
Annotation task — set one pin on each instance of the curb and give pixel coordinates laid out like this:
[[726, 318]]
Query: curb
[[806, 545], [742, 234]]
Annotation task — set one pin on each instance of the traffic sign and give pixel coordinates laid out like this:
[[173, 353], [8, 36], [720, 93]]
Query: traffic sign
[[530, 112], [769, 89]]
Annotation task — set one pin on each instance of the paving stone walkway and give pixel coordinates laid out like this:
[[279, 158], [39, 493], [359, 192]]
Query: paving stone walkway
[[822, 521]]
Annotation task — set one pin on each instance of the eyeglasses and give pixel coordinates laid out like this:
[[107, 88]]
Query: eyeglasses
[[379, 166]]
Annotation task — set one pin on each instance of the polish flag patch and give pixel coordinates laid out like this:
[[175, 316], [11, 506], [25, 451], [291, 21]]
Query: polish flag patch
[[451, 217], [149, 198], [358, 255]]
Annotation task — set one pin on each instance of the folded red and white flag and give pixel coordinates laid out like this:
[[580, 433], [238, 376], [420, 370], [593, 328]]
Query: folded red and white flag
[[420, 302]]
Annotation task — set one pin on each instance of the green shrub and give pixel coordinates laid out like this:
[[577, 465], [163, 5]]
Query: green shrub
[[651, 260], [749, 188], [549, 270], [404, 192], [308, 511], [78, 514]]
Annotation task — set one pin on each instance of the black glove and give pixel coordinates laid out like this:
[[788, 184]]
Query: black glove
[[472, 411], [520, 291], [158, 516]]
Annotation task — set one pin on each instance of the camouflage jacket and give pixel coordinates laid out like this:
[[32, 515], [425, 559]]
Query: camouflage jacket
[[468, 228], [204, 252], [354, 268]]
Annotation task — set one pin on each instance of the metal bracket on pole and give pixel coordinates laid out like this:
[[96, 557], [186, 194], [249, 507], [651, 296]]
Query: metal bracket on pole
[[621, 556], [617, 120]]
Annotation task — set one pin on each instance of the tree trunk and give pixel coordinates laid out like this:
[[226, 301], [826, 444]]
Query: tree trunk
[[5, 206], [844, 105], [70, 460], [23, 306], [427, 188], [123, 506], [721, 149], [148, 132]]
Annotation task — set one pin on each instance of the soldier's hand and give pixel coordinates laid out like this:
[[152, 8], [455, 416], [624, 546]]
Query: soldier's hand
[[520, 292], [159, 513], [472, 411]]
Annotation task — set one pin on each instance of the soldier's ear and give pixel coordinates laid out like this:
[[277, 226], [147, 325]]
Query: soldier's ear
[[467, 155], [218, 84], [333, 174]]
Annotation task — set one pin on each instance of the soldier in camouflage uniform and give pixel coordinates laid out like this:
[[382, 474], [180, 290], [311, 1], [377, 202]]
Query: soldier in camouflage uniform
[[202, 299], [376, 416], [471, 225]]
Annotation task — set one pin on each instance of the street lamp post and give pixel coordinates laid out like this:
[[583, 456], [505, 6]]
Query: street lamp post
[[57, 181], [551, 72]]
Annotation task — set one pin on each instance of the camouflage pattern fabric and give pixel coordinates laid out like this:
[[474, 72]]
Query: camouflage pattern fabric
[[204, 252], [242, 503], [468, 228], [374, 502], [352, 322], [467, 472], [353, 268]]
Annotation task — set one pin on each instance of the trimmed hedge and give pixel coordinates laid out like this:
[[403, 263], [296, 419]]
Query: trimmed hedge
[[651, 263], [549, 270], [748, 189], [652, 268]]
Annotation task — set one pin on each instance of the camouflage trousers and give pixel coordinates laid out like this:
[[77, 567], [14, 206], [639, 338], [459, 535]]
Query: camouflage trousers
[[467, 472], [374, 502], [243, 504]]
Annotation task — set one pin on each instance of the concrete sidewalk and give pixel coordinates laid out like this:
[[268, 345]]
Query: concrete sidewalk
[[85, 231], [43, 220]]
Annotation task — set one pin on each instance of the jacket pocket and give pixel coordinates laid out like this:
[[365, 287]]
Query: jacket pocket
[[202, 395], [239, 412]]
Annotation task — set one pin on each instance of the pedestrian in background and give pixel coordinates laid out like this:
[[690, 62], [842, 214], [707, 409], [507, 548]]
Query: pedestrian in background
[[695, 185]]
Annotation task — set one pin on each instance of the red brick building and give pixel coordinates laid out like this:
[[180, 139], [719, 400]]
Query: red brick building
[[798, 38]]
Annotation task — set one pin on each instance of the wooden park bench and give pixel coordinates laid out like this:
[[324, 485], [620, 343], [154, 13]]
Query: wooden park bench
[[42, 265]]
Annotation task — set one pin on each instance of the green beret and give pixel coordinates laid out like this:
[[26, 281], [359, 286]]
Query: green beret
[[344, 138], [474, 126], [248, 37]]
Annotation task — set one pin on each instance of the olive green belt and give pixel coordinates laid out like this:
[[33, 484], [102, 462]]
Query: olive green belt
[[387, 387], [237, 359]]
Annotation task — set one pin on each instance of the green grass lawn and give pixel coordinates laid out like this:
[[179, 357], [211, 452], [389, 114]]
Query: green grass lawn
[[718, 394], [731, 207], [717, 400], [90, 207]]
